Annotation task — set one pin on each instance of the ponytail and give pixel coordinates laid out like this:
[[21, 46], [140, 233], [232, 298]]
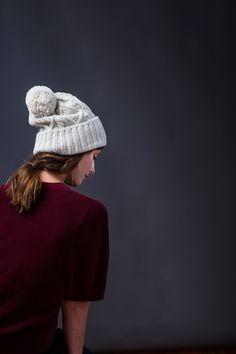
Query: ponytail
[[24, 185]]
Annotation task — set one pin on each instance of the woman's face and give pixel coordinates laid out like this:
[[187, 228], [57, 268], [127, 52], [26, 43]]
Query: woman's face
[[85, 167]]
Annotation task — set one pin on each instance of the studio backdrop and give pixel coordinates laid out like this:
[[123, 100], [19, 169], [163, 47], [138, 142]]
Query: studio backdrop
[[159, 75]]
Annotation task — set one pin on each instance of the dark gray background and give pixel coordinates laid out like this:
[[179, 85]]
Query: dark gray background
[[159, 74]]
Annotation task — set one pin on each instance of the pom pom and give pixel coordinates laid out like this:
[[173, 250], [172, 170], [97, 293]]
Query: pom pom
[[41, 101]]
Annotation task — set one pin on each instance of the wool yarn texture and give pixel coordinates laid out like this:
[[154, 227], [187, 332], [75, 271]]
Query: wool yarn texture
[[66, 125]]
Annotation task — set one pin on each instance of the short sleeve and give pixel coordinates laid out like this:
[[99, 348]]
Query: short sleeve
[[87, 263]]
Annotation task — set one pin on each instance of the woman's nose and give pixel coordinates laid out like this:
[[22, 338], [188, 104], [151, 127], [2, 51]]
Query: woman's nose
[[92, 170]]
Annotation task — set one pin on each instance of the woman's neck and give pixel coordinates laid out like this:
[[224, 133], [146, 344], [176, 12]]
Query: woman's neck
[[46, 176]]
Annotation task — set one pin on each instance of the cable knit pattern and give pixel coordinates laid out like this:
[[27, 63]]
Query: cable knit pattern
[[66, 124]]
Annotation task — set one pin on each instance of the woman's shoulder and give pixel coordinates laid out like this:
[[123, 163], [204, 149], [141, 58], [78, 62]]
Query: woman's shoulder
[[93, 204], [2, 186], [93, 211], [2, 189]]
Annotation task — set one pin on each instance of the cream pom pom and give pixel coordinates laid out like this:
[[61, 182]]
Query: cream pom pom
[[41, 101]]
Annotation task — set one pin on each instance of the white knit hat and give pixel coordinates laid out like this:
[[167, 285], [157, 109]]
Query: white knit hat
[[66, 125]]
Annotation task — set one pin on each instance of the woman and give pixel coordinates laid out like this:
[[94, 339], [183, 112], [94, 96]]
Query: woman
[[54, 241]]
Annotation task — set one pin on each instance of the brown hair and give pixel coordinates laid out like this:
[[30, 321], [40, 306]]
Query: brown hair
[[24, 186]]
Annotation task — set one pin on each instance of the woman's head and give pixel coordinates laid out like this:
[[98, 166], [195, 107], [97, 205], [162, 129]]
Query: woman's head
[[69, 138], [84, 168], [24, 186], [70, 169]]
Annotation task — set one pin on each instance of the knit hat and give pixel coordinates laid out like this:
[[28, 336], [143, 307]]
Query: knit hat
[[66, 125]]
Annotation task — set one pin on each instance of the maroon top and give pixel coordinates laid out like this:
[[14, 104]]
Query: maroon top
[[60, 250]]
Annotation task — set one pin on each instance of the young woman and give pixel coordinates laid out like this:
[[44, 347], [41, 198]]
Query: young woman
[[54, 241]]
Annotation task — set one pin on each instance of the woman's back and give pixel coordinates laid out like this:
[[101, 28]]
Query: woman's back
[[58, 251]]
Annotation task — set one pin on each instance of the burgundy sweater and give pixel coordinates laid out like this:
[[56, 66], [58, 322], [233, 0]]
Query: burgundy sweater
[[59, 250]]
